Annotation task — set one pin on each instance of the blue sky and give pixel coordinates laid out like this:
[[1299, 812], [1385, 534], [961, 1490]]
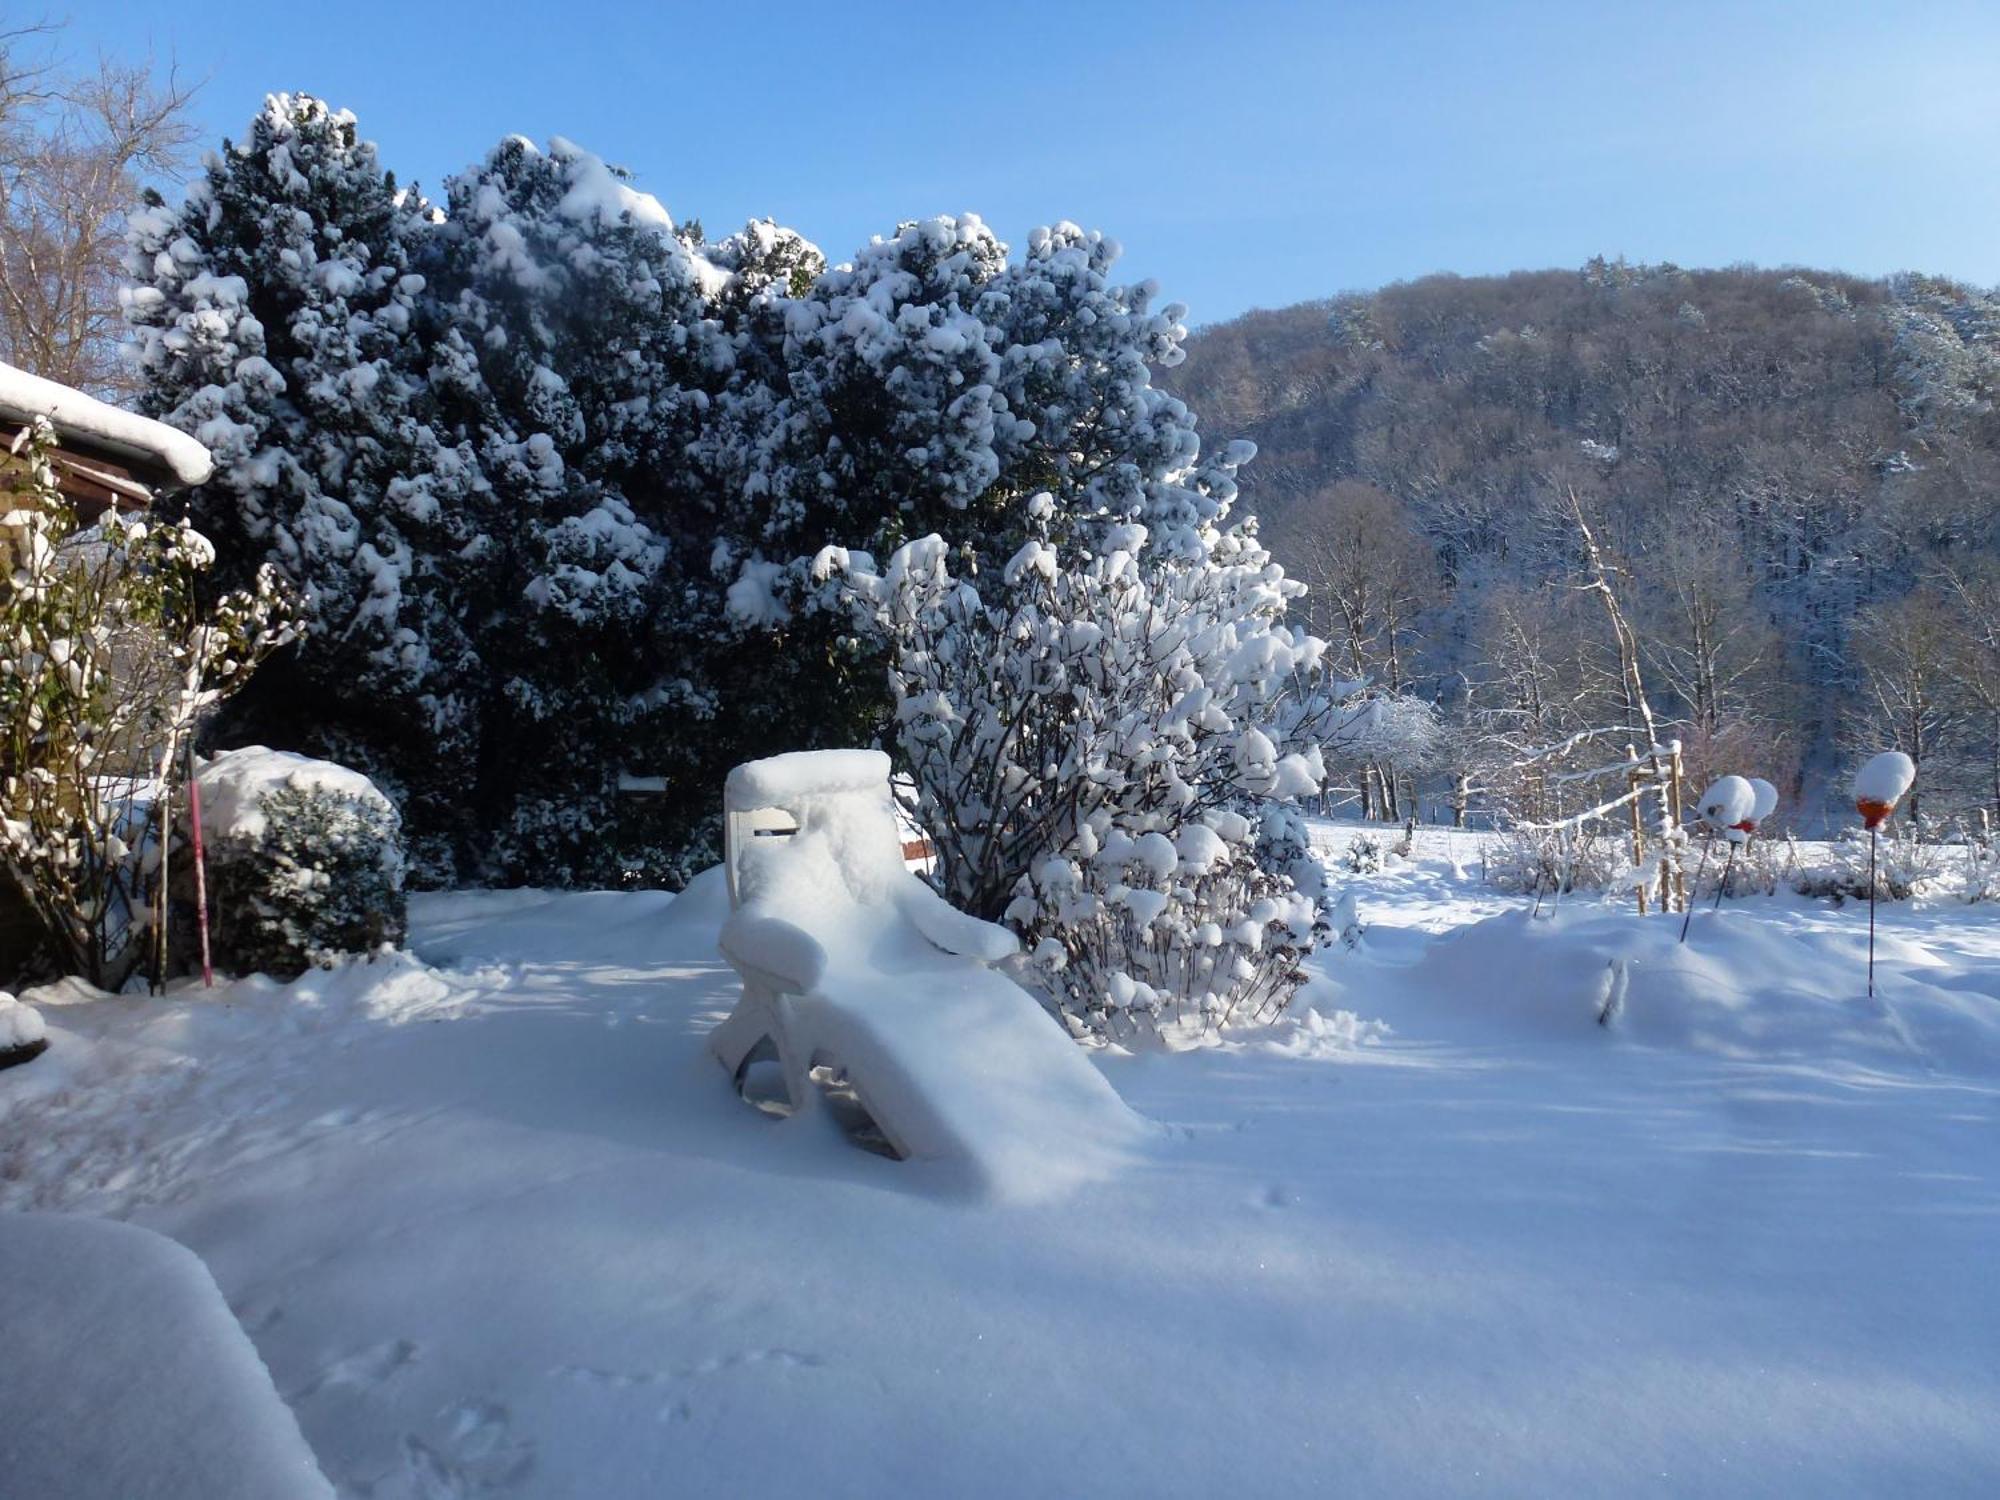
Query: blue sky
[[1248, 154]]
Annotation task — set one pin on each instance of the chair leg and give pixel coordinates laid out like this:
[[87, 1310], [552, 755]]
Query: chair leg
[[762, 1015], [745, 1027], [794, 1060]]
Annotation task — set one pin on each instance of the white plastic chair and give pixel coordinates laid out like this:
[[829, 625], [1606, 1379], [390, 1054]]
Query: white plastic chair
[[850, 962]]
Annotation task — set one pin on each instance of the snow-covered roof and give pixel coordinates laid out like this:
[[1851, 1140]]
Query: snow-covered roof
[[124, 434]]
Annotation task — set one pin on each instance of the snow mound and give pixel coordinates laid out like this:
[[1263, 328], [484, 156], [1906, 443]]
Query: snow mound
[[699, 911], [394, 987], [1741, 987], [20, 1025], [126, 1374]]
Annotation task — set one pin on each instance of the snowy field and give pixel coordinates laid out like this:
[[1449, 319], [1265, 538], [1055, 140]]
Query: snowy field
[[498, 1224]]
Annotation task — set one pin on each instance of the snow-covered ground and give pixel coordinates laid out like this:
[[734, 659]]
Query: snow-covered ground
[[498, 1224]]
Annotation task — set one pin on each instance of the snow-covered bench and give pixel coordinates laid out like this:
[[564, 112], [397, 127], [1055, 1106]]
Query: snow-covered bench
[[852, 963]]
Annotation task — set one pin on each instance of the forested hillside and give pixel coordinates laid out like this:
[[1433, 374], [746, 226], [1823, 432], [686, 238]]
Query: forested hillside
[[1799, 471]]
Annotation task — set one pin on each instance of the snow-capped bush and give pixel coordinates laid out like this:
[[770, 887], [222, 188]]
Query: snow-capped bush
[[1363, 856], [1086, 731], [305, 862], [1760, 867], [1981, 870], [1132, 934], [1908, 860], [1556, 861]]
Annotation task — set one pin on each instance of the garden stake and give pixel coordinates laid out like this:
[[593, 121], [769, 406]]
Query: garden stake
[[200, 872], [1687, 907], [157, 984], [1727, 865], [1872, 837]]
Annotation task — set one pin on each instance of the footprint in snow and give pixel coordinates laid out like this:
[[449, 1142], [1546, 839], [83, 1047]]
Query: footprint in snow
[[625, 1379], [362, 1370], [477, 1453], [257, 1315]]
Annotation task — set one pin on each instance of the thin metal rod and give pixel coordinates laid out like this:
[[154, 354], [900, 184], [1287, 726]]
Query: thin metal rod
[[165, 802], [1872, 836], [1727, 865], [1687, 907], [200, 870]]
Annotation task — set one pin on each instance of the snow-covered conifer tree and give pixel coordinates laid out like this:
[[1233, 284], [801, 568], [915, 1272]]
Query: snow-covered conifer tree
[[577, 358], [276, 315]]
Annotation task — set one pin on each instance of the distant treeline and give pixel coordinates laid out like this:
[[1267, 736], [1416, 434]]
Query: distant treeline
[[1800, 471]]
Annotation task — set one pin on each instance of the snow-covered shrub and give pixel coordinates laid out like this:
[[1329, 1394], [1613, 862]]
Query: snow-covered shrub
[[305, 862], [1908, 861], [463, 436], [1083, 731], [277, 315], [1131, 933], [1759, 869], [1363, 856], [1981, 869], [1560, 860], [574, 330]]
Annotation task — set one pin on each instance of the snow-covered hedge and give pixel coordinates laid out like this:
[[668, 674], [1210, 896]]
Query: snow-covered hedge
[[305, 861]]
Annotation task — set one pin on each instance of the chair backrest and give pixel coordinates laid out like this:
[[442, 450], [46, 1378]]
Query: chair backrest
[[740, 826], [840, 798]]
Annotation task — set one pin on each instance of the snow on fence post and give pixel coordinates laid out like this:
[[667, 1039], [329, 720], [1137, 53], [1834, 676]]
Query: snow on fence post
[[1676, 886]]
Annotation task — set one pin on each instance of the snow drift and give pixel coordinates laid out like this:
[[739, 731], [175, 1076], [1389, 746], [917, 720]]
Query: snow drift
[[1741, 987], [126, 1374]]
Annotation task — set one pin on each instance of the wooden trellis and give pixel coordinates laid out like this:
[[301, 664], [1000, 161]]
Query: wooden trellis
[[1661, 769], [1655, 774]]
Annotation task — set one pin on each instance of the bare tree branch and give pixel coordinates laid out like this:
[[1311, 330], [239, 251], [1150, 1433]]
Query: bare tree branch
[[77, 147]]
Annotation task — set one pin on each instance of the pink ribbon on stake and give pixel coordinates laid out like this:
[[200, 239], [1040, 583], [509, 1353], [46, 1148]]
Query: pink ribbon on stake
[[200, 872]]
